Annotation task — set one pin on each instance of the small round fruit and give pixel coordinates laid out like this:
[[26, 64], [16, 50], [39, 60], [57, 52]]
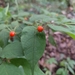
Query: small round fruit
[[26, 18], [12, 34], [40, 28]]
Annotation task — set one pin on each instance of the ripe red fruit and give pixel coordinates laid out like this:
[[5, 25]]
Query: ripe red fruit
[[40, 28], [12, 34]]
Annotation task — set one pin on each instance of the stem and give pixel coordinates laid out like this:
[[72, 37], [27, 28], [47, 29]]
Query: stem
[[16, 27], [9, 29], [16, 2], [7, 9], [70, 23], [12, 39], [66, 66]]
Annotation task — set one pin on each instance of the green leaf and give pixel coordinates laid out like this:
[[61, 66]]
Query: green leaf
[[58, 28], [48, 73], [51, 40], [20, 28], [13, 50], [22, 70], [27, 22], [63, 29], [14, 23], [61, 71], [62, 63], [72, 35], [23, 13], [1, 15], [14, 16], [33, 43], [9, 69], [71, 28], [66, 72], [70, 63], [42, 17], [1, 61], [24, 63], [2, 26], [1, 9], [1, 43], [73, 62], [26, 66], [6, 11], [70, 69], [45, 11], [51, 61], [0, 49], [17, 26], [37, 71], [4, 35]]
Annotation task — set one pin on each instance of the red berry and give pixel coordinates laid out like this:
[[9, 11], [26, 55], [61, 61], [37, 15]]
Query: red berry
[[12, 34], [40, 28]]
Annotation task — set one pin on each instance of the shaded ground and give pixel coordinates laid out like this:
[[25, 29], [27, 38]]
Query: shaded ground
[[2, 3], [65, 48]]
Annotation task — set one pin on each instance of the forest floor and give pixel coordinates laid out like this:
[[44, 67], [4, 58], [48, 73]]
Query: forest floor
[[65, 47]]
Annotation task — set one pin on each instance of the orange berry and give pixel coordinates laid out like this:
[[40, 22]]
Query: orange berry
[[12, 34], [40, 28]]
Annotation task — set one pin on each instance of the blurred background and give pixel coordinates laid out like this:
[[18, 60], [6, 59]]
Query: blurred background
[[51, 5], [54, 59]]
